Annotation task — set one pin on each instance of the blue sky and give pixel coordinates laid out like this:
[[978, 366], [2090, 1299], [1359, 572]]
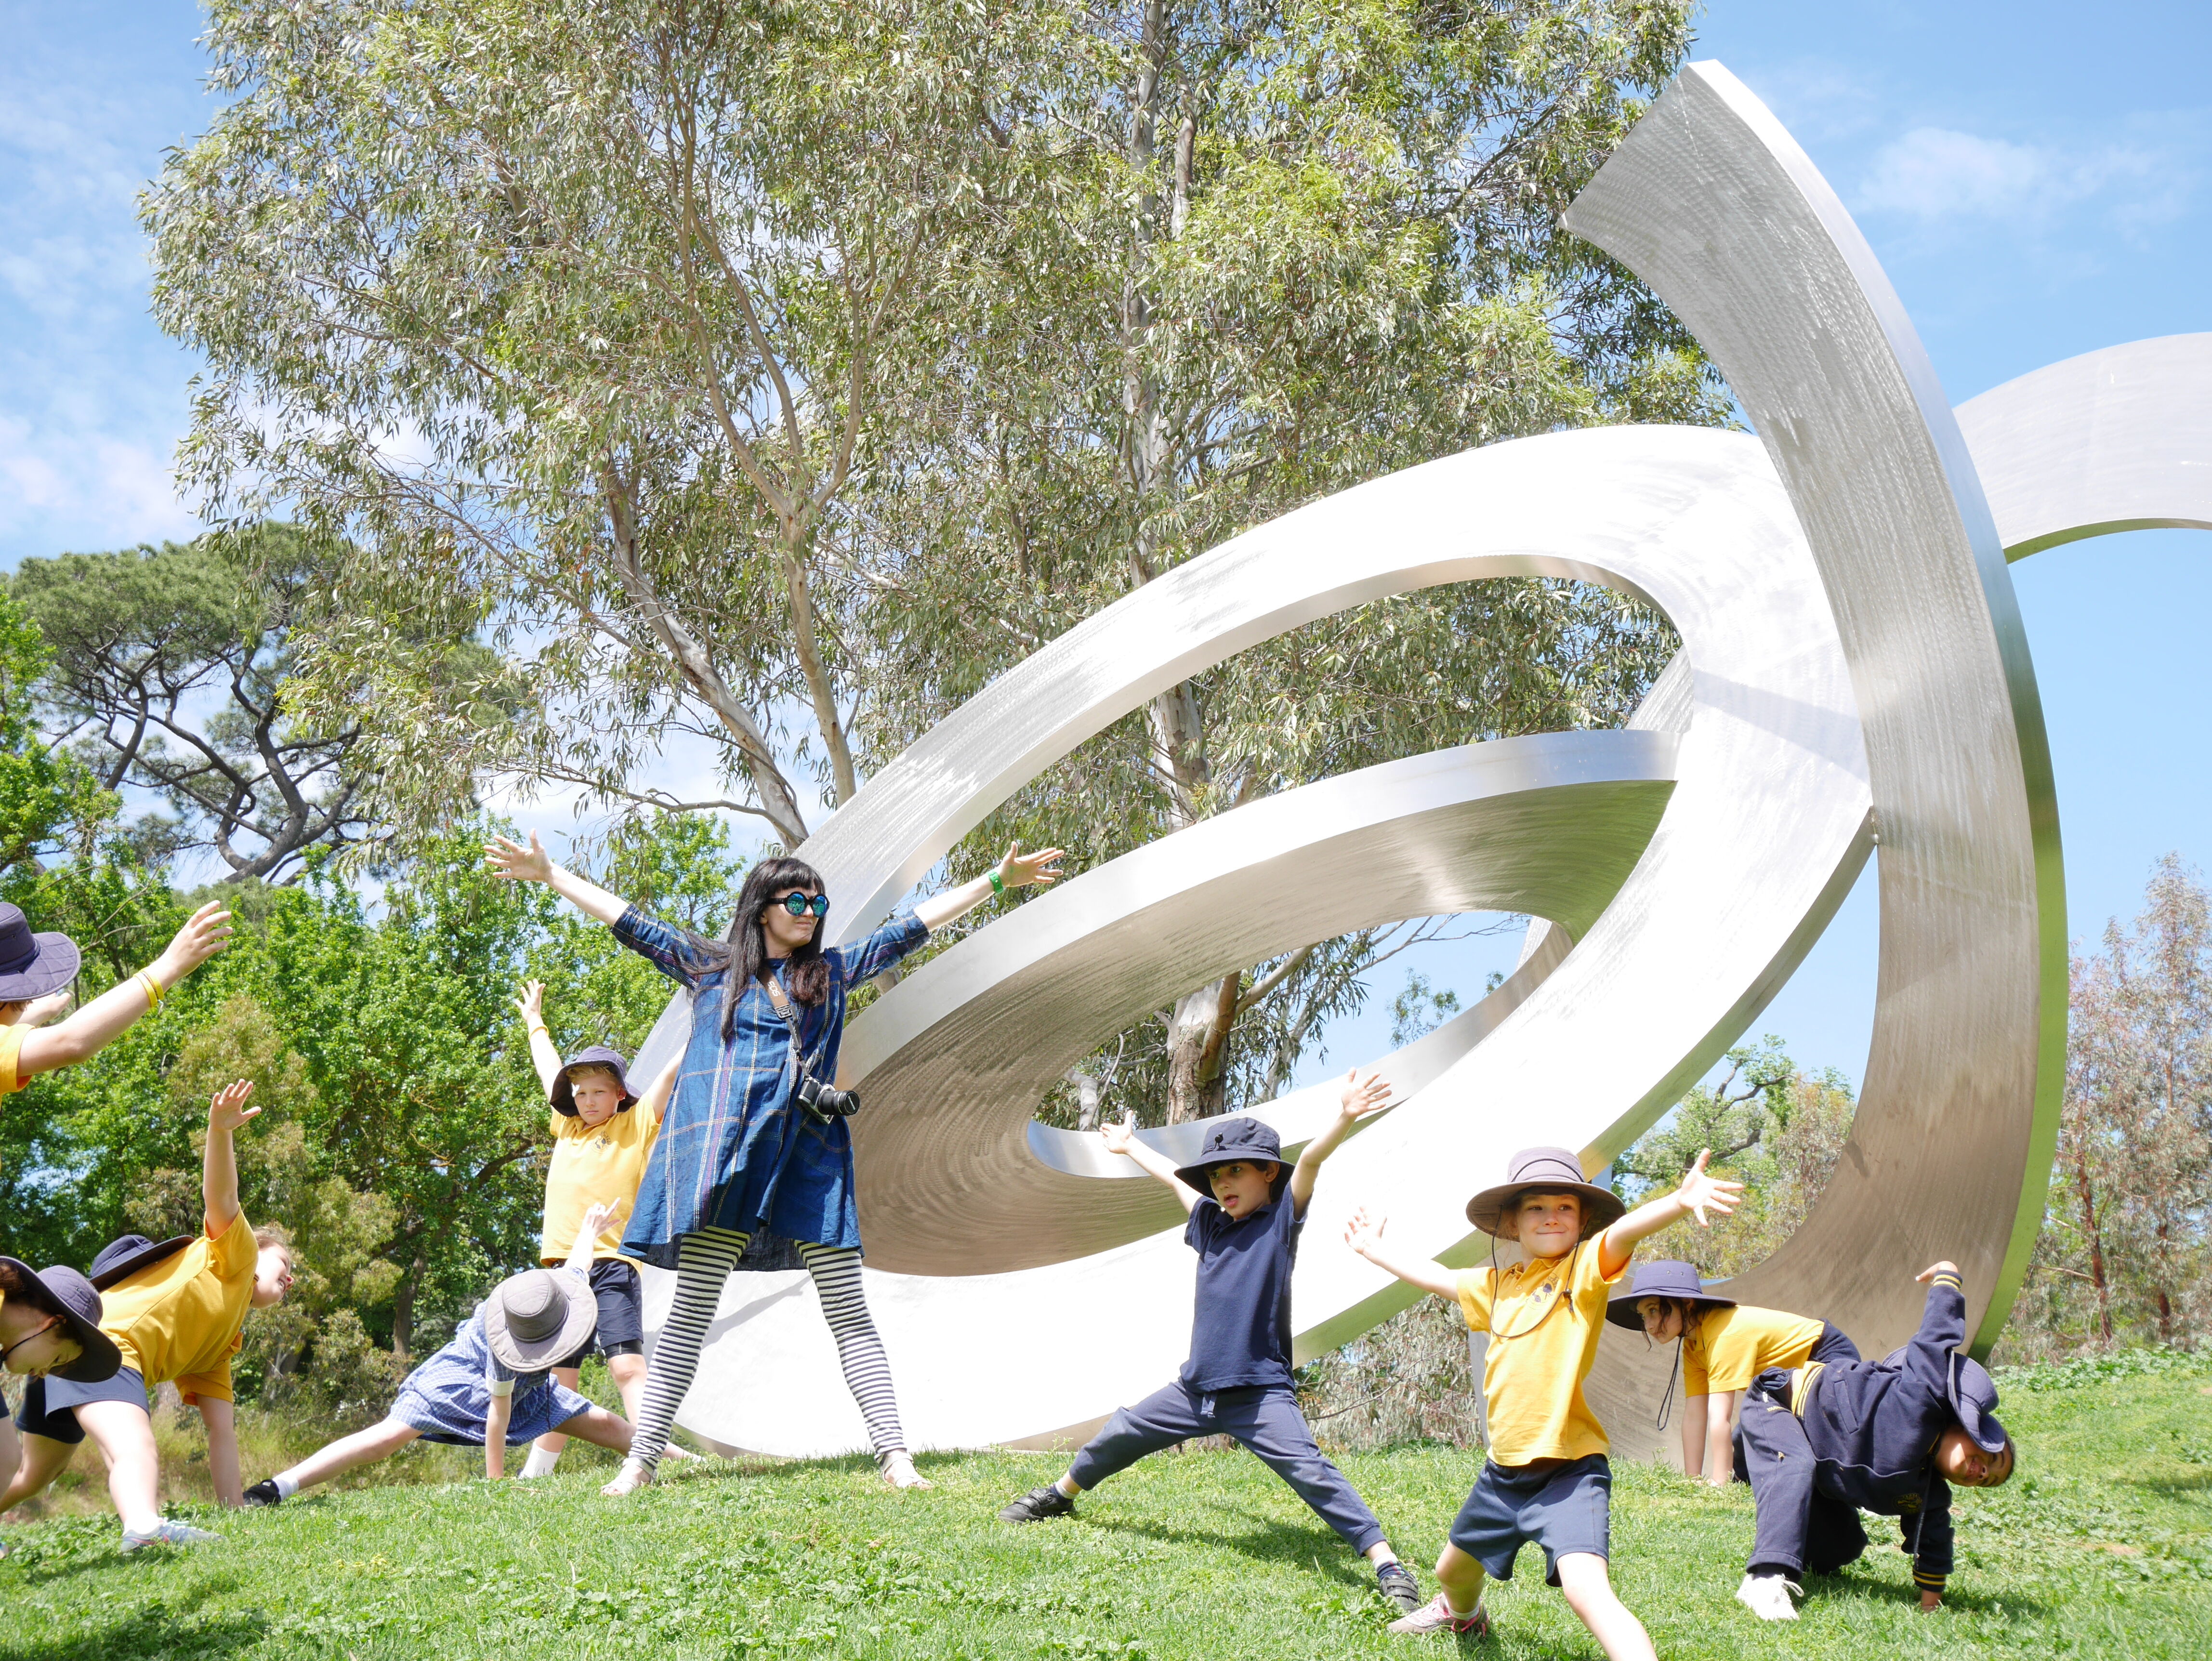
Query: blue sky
[[2037, 187]]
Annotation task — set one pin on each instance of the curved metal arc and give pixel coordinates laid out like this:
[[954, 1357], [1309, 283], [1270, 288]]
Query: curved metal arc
[[1713, 203], [2115, 440]]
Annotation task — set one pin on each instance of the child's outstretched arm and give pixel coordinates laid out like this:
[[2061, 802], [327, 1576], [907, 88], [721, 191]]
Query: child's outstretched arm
[[498, 1412], [510, 859], [1361, 1098], [587, 1233], [1364, 1236], [219, 1168], [110, 1014], [529, 1003], [1123, 1139], [1698, 1193], [655, 1099]]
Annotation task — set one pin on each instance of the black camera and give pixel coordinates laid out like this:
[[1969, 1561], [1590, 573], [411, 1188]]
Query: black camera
[[827, 1102]]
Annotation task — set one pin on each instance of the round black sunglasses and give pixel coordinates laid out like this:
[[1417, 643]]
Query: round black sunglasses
[[800, 904]]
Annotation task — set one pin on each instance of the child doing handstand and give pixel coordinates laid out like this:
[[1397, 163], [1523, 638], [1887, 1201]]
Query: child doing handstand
[[1721, 1346], [1546, 1478], [1237, 1380], [602, 1135], [492, 1385]]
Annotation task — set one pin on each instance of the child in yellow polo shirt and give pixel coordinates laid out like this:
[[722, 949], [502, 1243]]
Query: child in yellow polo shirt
[[1723, 1346], [602, 1137], [1547, 1479], [174, 1311]]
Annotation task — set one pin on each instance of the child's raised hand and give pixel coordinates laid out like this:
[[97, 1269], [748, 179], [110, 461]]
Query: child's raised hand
[[1363, 1233], [206, 933], [1946, 1267], [1038, 870], [1699, 1192], [530, 1002], [1119, 1136], [596, 1220], [40, 1010], [1363, 1096], [509, 859], [228, 1109]]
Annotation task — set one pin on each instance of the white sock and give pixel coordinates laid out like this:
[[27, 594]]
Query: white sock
[[287, 1484], [1067, 1486], [540, 1462]]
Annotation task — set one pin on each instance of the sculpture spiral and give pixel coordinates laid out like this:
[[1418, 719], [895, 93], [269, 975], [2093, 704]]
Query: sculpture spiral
[[1852, 670]]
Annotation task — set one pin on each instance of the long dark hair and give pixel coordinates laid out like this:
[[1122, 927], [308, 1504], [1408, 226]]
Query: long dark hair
[[807, 971]]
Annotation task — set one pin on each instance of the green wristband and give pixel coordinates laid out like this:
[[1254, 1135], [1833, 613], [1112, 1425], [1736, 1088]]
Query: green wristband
[[997, 883]]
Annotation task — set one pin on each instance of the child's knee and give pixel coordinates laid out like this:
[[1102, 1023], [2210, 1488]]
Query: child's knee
[[1584, 1580]]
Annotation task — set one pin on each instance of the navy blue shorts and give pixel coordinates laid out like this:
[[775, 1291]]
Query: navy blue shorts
[[1564, 1506], [50, 1405], [620, 1296]]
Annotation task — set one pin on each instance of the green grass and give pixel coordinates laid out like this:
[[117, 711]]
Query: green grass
[[2102, 1547]]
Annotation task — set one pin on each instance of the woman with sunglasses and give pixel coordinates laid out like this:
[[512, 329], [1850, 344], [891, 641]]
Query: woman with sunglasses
[[753, 1143]]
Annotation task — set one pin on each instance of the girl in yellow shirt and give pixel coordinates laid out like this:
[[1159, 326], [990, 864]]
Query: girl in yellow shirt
[[1724, 1347]]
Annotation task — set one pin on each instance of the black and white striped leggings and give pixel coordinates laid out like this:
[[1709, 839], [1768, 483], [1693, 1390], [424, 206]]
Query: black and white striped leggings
[[704, 1260]]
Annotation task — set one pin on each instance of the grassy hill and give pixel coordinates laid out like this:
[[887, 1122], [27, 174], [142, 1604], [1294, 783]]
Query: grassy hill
[[2101, 1546]]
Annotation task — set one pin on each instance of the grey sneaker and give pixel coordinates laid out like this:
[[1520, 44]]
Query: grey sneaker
[[1400, 1587], [1037, 1505], [168, 1532], [1436, 1615]]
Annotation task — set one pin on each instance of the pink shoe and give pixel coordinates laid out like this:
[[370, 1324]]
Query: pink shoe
[[1436, 1615]]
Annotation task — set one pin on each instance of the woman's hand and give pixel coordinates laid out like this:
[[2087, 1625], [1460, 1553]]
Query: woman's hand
[[510, 859], [204, 934], [228, 1109], [1020, 870], [1699, 1192], [531, 1003], [1119, 1136]]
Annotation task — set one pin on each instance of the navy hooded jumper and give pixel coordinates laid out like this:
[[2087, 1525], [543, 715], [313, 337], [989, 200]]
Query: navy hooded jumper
[[1862, 1438]]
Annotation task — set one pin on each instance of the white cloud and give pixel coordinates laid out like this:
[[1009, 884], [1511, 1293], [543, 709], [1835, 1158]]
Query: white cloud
[[1936, 174]]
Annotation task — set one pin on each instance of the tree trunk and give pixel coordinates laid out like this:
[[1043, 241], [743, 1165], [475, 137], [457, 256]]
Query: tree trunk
[[403, 1307]]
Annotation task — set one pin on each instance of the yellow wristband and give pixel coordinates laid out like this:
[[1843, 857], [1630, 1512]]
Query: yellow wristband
[[153, 990]]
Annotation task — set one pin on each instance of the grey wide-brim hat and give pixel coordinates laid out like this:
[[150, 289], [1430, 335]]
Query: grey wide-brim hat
[[1545, 1170], [564, 1090], [32, 965], [1666, 1277], [65, 1293], [539, 1318]]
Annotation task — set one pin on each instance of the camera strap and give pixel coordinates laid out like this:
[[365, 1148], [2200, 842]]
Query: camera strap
[[781, 1005]]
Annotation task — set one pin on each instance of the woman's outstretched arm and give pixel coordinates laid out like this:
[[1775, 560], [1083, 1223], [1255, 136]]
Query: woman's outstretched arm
[[516, 863], [1017, 870]]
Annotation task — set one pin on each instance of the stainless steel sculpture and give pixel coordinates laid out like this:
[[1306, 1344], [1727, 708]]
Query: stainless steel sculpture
[[1851, 665]]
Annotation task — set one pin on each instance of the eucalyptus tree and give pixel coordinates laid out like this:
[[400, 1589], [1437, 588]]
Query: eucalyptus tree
[[1289, 246], [580, 321]]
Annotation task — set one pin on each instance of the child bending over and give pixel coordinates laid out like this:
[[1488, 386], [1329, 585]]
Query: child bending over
[[492, 1385], [1546, 1478]]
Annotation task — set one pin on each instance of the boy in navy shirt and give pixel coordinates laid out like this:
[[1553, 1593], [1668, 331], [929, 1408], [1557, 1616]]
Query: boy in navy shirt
[[1237, 1380], [1821, 1444]]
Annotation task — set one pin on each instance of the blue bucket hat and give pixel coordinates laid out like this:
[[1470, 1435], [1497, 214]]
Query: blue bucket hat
[[564, 1093], [66, 1294], [1238, 1141], [1667, 1277], [121, 1258], [1973, 1397], [32, 965], [1545, 1170]]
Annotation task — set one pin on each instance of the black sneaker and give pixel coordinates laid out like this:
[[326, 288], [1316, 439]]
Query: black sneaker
[[1400, 1587], [263, 1493], [1037, 1505]]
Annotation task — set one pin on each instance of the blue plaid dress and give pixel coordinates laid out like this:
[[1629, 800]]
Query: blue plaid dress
[[736, 1149]]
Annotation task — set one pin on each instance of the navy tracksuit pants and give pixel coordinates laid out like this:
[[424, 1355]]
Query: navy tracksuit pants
[[1264, 1418], [1799, 1528]]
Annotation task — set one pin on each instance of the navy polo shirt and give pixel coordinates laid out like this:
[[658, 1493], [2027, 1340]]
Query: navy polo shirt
[[1240, 1328]]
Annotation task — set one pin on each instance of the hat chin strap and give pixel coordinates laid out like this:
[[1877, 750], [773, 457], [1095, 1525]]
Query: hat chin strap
[[51, 1321]]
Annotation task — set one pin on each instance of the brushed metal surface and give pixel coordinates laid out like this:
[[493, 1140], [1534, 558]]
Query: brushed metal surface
[[2116, 440], [1716, 207]]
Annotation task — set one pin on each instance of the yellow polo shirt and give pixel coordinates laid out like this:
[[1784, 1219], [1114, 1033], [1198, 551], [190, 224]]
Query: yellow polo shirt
[[11, 1055], [1727, 1348], [179, 1319], [1544, 1317], [599, 1165]]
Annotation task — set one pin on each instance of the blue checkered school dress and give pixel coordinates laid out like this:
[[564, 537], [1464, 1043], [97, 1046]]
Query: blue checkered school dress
[[448, 1397], [736, 1149]]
